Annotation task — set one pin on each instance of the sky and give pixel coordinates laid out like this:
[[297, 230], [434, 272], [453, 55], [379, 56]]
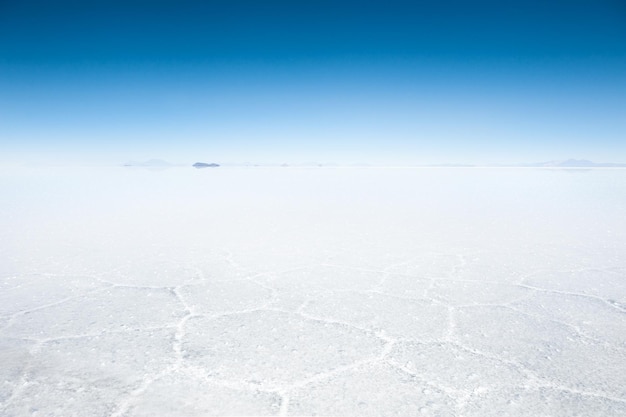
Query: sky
[[380, 82]]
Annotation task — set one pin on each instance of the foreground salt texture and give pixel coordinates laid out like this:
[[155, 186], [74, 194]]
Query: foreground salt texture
[[313, 291]]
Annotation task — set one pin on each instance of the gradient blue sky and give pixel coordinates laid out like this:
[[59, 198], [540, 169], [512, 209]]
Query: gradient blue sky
[[388, 82]]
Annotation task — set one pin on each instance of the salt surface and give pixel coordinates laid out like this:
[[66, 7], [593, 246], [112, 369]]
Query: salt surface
[[312, 291]]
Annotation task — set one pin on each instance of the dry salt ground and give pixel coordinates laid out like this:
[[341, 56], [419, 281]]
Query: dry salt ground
[[312, 291]]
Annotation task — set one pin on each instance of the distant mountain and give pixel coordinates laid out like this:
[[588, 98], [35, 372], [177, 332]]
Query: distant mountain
[[205, 165], [156, 163], [576, 163]]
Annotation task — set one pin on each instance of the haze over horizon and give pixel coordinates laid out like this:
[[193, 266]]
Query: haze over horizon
[[348, 82]]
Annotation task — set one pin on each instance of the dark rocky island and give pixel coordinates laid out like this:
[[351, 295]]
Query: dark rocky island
[[205, 165]]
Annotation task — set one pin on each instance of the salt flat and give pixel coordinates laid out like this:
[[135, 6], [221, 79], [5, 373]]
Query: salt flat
[[312, 291]]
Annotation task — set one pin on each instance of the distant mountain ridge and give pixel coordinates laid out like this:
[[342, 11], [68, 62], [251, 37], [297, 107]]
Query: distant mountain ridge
[[576, 163], [567, 163]]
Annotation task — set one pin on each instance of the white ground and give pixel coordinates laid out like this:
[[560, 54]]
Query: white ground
[[312, 291]]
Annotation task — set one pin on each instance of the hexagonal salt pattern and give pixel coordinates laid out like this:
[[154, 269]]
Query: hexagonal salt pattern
[[531, 402], [328, 292], [111, 309], [371, 390], [397, 317], [225, 296], [88, 375], [188, 394], [272, 349]]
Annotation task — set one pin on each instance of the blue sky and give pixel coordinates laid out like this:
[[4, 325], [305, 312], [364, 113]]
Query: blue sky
[[391, 82]]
